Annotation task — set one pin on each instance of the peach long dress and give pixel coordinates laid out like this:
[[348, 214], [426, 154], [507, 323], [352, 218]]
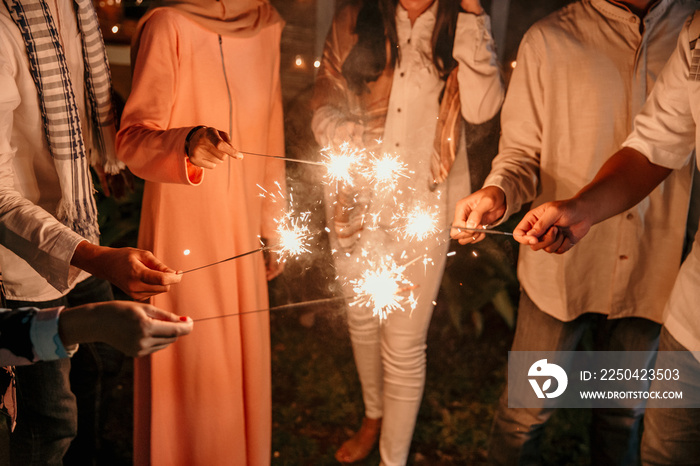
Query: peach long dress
[[207, 399]]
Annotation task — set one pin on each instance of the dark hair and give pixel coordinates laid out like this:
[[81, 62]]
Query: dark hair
[[376, 25]]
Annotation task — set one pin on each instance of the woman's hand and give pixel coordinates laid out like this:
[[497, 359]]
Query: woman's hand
[[208, 147], [472, 6], [135, 329]]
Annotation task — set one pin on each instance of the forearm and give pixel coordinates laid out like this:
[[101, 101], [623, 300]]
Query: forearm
[[622, 182], [78, 325]]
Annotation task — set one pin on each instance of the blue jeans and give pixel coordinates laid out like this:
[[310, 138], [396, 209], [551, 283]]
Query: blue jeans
[[672, 435], [516, 432], [49, 414]]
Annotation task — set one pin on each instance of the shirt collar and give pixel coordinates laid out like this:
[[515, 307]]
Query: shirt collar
[[618, 11]]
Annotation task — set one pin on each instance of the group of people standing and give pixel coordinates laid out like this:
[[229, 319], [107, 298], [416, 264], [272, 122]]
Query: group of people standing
[[397, 76]]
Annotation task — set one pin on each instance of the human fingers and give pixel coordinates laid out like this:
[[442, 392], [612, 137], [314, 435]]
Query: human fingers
[[224, 145], [531, 227], [163, 275], [550, 241], [567, 244]]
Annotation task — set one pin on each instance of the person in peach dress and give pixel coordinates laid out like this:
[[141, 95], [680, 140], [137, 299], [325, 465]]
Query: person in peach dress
[[206, 86]]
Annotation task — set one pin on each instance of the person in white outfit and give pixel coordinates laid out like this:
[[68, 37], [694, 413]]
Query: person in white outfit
[[398, 78]]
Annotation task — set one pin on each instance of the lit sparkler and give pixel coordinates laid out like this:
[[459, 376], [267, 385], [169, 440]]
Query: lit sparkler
[[344, 165], [385, 171], [420, 223], [294, 235], [381, 286]]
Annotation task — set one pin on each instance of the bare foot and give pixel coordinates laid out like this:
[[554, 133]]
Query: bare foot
[[360, 445]]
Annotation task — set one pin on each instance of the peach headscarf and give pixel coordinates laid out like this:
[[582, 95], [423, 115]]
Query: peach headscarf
[[241, 18]]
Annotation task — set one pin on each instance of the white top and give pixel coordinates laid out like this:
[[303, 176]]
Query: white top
[[29, 186], [675, 103], [582, 75], [414, 105]]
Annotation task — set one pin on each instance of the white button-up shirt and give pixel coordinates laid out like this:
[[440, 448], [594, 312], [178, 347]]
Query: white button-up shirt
[[665, 131]]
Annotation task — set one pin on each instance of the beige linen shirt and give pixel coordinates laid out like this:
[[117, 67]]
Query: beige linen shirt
[[665, 130], [29, 185], [582, 75]]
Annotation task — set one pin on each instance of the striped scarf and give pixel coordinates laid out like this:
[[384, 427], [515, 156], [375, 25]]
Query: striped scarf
[[59, 112]]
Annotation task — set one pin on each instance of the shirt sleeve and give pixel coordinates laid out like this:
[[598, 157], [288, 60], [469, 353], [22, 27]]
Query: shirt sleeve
[[664, 131], [28, 335], [516, 168], [26, 229], [480, 85], [151, 150]]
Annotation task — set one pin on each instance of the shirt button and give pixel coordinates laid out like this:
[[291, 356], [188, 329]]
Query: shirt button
[[397, 144], [630, 216], [402, 73], [623, 258], [633, 19], [398, 110], [408, 41]]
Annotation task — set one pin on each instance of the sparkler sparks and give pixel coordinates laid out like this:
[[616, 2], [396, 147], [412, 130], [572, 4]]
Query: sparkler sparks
[[381, 286], [385, 171], [420, 223], [344, 165], [294, 235]]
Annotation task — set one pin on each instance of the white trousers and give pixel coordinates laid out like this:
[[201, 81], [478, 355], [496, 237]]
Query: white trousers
[[390, 356]]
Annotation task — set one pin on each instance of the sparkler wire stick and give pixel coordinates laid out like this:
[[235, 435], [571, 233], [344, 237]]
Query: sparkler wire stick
[[482, 230], [224, 260], [310, 162], [277, 308]]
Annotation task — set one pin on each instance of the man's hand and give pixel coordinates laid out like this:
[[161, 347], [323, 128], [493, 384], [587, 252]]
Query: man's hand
[[209, 147], [135, 271], [483, 207], [554, 226]]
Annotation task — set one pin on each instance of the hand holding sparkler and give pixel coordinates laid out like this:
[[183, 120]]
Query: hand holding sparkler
[[208, 147], [483, 207]]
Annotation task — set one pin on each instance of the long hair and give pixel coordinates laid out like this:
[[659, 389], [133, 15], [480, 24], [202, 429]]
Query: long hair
[[376, 32]]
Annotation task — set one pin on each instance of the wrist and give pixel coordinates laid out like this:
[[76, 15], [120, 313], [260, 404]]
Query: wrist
[[76, 325], [189, 137]]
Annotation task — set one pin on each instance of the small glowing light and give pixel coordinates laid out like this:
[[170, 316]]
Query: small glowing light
[[513, 64], [317, 63], [298, 61], [115, 29], [474, 254], [451, 253], [434, 303], [186, 252]]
